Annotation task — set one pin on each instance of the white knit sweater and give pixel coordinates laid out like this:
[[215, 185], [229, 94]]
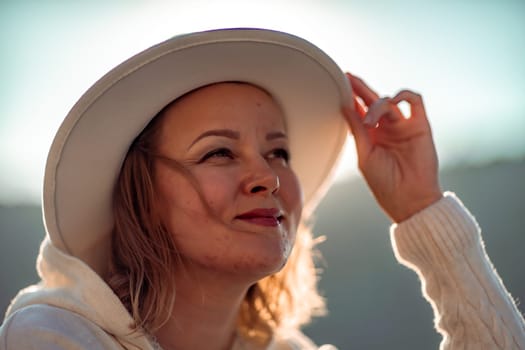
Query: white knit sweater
[[74, 309], [472, 308]]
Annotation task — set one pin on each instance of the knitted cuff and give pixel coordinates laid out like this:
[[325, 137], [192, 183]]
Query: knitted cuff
[[437, 235]]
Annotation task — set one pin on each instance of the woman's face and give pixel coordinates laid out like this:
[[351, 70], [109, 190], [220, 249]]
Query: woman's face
[[232, 140]]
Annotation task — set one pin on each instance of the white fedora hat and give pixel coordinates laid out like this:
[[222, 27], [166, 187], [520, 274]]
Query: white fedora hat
[[88, 150]]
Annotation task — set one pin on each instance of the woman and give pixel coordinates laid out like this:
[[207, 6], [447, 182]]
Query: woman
[[177, 193]]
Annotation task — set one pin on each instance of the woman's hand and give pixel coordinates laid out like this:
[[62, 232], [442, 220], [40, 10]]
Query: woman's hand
[[395, 154]]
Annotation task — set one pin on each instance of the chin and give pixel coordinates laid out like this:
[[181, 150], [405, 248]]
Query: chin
[[263, 263]]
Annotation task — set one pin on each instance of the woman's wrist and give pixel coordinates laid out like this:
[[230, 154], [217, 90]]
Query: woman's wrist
[[409, 208]]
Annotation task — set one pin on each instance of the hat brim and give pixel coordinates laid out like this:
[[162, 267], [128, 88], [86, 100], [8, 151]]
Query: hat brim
[[91, 144]]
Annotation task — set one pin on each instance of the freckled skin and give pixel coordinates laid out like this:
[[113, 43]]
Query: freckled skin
[[213, 240]]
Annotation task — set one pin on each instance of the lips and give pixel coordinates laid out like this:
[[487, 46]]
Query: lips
[[262, 216]]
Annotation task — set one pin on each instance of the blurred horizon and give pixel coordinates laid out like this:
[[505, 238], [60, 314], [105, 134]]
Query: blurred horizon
[[465, 57]]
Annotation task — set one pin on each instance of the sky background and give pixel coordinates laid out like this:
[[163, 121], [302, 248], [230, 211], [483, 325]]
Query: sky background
[[465, 57]]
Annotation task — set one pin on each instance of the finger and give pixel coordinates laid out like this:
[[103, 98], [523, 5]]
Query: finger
[[361, 137], [382, 108], [362, 90], [417, 107]]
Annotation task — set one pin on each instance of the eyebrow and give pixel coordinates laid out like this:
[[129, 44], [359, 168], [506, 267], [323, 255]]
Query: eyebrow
[[218, 132], [275, 135], [234, 135]]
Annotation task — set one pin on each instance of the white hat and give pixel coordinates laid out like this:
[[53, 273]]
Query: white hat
[[88, 150]]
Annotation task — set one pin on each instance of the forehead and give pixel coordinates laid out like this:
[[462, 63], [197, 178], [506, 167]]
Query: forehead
[[224, 105]]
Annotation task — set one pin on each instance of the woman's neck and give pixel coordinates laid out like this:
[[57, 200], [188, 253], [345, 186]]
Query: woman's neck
[[204, 315]]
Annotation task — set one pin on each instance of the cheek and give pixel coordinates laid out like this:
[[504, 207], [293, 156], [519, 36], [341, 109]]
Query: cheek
[[291, 193], [218, 191], [180, 204], [190, 212], [177, 192]]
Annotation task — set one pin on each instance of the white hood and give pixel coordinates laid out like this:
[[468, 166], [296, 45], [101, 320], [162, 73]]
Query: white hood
[[69, 283]]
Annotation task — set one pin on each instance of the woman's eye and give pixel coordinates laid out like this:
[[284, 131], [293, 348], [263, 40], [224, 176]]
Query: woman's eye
[[281, 153], [217, 153]]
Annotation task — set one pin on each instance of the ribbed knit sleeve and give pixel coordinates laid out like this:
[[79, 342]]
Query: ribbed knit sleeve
[[472, 308]]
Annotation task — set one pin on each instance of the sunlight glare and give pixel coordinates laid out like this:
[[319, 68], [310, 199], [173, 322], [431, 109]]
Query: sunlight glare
[[347, 165], [404, 107]]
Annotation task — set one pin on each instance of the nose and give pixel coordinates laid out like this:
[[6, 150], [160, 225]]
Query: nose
[[260, 179]]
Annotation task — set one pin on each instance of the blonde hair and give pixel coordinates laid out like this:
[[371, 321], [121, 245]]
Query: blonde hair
[[144, 255]]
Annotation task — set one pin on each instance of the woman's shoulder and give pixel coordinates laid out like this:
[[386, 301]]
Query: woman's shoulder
[[48, 327]]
